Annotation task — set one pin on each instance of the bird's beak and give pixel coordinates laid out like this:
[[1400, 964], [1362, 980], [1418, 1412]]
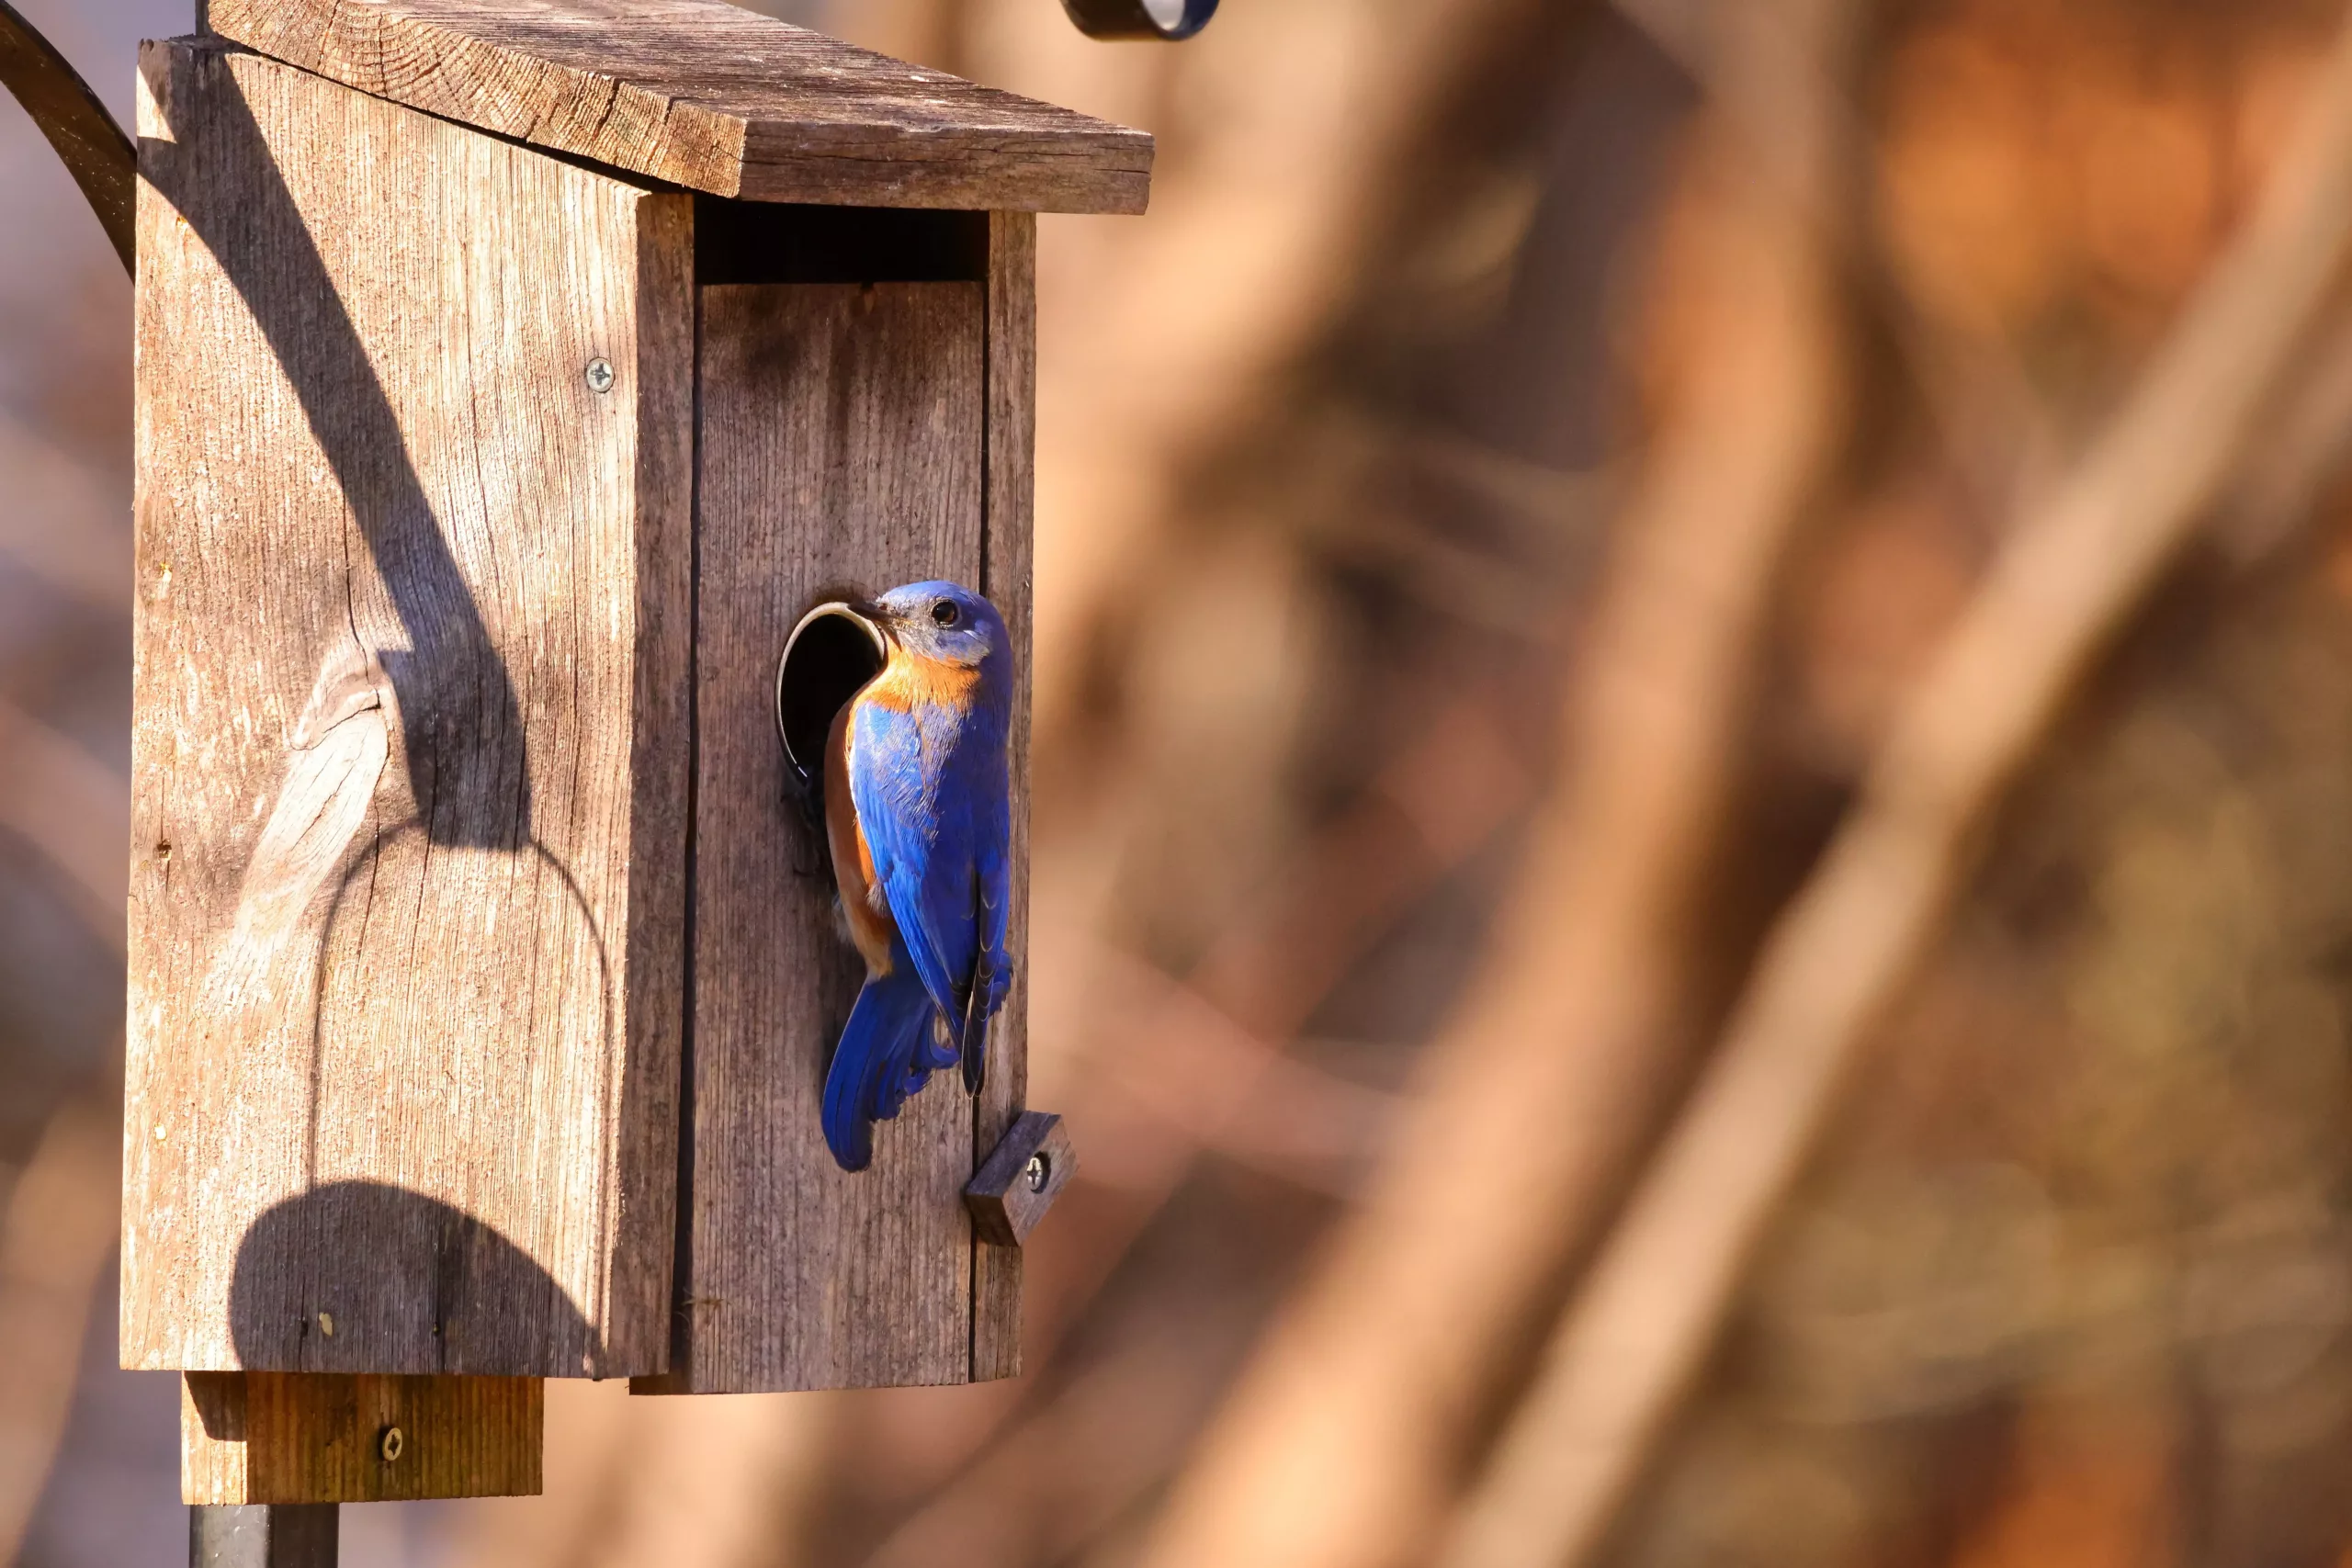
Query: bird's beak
[[879, 624]]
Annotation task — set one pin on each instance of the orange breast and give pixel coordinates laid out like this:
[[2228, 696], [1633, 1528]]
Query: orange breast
[[870, 925], [910, 682]]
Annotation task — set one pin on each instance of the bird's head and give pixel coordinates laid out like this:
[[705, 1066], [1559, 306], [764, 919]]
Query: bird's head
[[941, 621]]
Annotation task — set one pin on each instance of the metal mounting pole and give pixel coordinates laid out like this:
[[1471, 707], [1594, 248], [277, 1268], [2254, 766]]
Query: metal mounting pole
[[96, 151], [289, 1535]]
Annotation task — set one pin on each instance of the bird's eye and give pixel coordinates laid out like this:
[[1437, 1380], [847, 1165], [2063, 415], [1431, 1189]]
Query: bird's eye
[[945, 613]]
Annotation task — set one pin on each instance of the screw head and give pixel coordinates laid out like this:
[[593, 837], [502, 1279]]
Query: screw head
[[601, 376], [1040, 1169], [390, 1444]]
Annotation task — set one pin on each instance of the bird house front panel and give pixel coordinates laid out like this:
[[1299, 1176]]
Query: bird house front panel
[[416, 431], [843, 447]]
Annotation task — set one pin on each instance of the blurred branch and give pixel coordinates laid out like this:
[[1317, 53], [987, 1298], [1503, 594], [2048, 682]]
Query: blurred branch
[[1390, 466], [1183, 1054], [58, 1229], [1294, 238], [1633, 1342], [1974, 390], [1225, 1090], [2301, 452], [1681, 28], [75, 811], [1340, 1445]]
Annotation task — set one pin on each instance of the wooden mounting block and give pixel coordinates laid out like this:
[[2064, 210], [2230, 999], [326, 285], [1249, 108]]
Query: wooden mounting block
[[1017, 1184], [318, 1438]]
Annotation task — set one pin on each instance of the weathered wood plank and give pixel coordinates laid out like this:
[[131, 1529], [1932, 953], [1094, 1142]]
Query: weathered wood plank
[[411, 667], [329, 1437], [1009, 1194], [841, 441], [1006, 579], [712, 97]]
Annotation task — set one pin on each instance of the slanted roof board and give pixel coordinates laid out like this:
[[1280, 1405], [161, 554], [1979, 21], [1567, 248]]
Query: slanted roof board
[[711, 96]]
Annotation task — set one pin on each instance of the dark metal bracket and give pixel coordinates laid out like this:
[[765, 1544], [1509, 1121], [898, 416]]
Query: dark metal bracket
[[1171, 21], [96, 152]]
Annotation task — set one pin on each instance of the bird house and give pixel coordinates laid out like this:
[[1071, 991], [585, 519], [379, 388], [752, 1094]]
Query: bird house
[[513, 379]]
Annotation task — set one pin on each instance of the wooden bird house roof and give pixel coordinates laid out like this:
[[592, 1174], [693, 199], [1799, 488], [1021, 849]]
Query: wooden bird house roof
[[711, 96]]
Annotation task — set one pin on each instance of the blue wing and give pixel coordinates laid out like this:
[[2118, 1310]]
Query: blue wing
[[918, 827], [876, 1065], [994, 975]]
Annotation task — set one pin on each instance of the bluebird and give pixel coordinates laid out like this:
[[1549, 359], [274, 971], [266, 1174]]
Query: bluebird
[[919, 821]]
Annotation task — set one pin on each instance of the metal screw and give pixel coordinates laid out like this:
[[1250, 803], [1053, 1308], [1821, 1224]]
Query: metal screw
[[1040, 1168], [600, 376], [390, 1444]]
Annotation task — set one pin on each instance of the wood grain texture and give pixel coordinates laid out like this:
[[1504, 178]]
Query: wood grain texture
[[711, 97], [408, 752], [1006, 579], [841, 440], [1020, 1179], [323, 1437]]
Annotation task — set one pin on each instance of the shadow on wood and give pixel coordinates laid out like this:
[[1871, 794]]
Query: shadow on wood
[[412, 749], [344, 1274], [354, 1274], [457, 702]]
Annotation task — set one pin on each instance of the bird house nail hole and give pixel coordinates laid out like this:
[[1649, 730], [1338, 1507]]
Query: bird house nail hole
[[1040, 1172], [832, 652], [390, 1444]]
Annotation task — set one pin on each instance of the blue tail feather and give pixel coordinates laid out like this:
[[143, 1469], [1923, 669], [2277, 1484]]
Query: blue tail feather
[[885, 1055], [973, 1051]]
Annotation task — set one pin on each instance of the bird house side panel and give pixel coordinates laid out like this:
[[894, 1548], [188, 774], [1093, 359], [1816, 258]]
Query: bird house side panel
[[1007, 581], [414, 439], [841, 442]]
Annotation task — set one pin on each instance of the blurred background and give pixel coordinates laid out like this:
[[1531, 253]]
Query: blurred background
[[1588, 814]]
